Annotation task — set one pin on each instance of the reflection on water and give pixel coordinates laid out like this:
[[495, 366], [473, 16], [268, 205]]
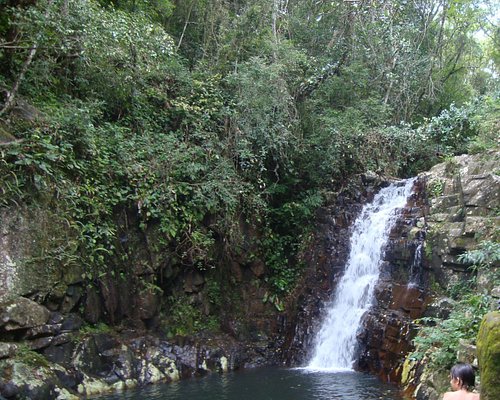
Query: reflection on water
[[269, 384]]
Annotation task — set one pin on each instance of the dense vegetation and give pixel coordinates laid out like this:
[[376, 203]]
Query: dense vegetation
[[202, 114], [439, 338]]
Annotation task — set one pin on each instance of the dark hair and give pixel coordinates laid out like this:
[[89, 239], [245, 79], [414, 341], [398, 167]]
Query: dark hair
[[465, 373]]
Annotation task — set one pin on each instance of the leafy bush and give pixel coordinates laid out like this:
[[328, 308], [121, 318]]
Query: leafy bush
[[485, 256], [438, 339], [187, 319], [487, 120], [453, 129]]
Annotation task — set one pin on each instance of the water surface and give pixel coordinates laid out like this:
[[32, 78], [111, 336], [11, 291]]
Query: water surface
[[269, 384]]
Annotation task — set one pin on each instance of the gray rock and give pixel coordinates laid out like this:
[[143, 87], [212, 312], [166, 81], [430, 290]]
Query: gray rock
[[40, 343], [71, 323], [7, 349], [22, 313], [42, 330]]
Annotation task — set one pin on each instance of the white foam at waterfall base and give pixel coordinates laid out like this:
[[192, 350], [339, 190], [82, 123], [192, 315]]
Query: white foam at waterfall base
[[335, 343]]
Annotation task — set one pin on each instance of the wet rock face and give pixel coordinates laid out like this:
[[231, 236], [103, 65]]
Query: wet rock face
[[386, 332], [325, 260], [464, 194]]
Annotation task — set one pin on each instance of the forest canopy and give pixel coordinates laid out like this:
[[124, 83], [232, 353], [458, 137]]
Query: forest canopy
[[199, 114]]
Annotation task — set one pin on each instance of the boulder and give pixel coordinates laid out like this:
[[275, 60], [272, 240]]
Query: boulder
[[488, 352], [22, 313], [23, 380], [466, 352]]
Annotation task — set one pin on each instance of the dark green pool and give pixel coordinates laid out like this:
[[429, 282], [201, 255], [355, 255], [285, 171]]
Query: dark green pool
[[269, 384]]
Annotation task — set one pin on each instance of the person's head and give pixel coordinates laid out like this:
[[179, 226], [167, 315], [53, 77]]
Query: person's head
[[462, 377]]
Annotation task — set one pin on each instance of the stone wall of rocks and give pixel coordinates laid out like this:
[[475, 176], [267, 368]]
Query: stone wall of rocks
[[53, 318], [46, 355], [464, 194]]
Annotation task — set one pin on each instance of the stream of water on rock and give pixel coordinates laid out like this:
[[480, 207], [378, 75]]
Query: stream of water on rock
[[335, 348]]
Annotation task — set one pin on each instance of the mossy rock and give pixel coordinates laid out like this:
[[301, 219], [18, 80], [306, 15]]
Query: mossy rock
[[488, 351], [5, 136]]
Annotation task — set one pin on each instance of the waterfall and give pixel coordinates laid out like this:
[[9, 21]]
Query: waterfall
[[336, 341], [416, 266]]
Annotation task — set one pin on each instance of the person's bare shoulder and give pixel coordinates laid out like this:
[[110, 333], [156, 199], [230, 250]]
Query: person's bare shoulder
[[448, 396]]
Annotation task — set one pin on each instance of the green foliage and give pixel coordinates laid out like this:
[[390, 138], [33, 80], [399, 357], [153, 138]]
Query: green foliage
[[186, 319], [155, 10], [97, 329], [283, 268], [487, 121], [438, 341], [111, 137], [484, 257], [452, 130], [214, 293], [30, 357], [264, 120], [436, 188], [193, 117]]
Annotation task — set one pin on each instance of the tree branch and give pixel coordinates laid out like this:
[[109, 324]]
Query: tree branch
[[308, 87], [12, 94], [185, 25]]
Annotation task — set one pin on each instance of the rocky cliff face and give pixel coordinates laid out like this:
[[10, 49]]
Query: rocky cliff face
[[401, 295], [454, 207], [88, 336], [49, 316], [463, 197], [386, 334], [325, 259]]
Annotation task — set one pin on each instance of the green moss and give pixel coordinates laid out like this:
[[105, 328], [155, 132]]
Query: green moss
[[96, 329], [488, 351], [29, 357]]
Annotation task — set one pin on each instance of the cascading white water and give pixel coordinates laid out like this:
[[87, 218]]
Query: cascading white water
[[416, 267], [336, 340]]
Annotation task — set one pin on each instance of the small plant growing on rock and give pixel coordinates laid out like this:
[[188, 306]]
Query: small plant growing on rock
[[30, 357], [99, 328], [486, 256], [435, 188], [438, 339]]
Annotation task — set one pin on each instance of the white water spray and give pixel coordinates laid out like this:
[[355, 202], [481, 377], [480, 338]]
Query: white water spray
[[336, 340]]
